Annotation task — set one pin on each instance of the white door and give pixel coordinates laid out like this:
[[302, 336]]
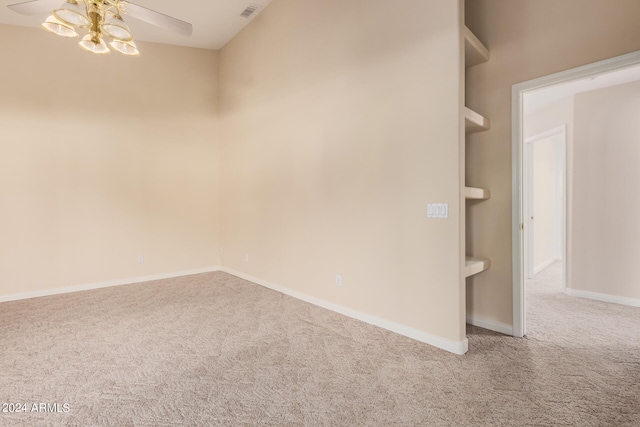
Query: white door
[[544, 200]]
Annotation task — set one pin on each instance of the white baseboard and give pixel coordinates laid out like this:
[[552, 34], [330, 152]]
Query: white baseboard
[[491, 325], [118, 282], [456, 347], [603, 297], [545, 264]]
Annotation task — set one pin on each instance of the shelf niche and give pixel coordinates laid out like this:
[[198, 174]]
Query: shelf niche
[[474, 51], [472, 193], [475, 265], [474, 122]]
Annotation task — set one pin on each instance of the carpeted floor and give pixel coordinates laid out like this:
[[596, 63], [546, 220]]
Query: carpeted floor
[[211, 349]]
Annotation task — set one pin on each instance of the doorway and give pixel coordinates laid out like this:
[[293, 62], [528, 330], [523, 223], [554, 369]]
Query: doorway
[[575, 80]]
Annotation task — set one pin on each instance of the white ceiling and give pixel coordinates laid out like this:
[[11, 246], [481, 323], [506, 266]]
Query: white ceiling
[[538, 99], [215, 22]]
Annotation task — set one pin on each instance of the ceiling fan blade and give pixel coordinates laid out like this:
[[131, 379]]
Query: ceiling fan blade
[[156, 18], [35, 7]]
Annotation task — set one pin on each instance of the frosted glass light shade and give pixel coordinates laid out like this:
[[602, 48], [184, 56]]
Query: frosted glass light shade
[[126, 48], [94, 45], [116, 28], [72, 13], [55, 26]]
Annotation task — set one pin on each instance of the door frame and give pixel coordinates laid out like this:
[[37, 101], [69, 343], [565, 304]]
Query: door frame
[[517, 210], [560, 207]]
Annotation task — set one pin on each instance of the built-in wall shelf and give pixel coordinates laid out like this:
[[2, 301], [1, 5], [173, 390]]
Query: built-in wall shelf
[[475, 265], [472, 193], [474, 122], [474, 51]]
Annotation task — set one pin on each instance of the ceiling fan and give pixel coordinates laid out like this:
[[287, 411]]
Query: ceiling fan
[[100, 18]]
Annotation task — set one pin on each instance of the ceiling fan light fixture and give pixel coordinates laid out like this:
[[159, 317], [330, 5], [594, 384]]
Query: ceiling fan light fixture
[[93, 43], [128, 48], [55, 26], [99, 18], [115, 27], [71, 13]]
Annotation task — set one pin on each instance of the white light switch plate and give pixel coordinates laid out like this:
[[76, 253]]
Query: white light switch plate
[[438, 210]]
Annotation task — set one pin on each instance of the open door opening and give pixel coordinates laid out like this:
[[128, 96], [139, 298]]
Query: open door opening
[[614, 71]]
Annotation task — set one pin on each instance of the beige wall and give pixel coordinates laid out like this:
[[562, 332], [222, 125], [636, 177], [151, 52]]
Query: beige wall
[[559, 113], [340, 123], [606, 230], [102, 160], [527, 39]]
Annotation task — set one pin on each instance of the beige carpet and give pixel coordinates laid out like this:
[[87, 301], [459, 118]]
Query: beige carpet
[[212, 349]]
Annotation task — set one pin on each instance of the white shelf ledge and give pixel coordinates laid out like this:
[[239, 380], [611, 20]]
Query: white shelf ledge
[[474, 122], [475, 265], [473, 193], [474, 51]]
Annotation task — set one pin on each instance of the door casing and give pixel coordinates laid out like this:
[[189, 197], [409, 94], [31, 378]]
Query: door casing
[[518, 92]]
